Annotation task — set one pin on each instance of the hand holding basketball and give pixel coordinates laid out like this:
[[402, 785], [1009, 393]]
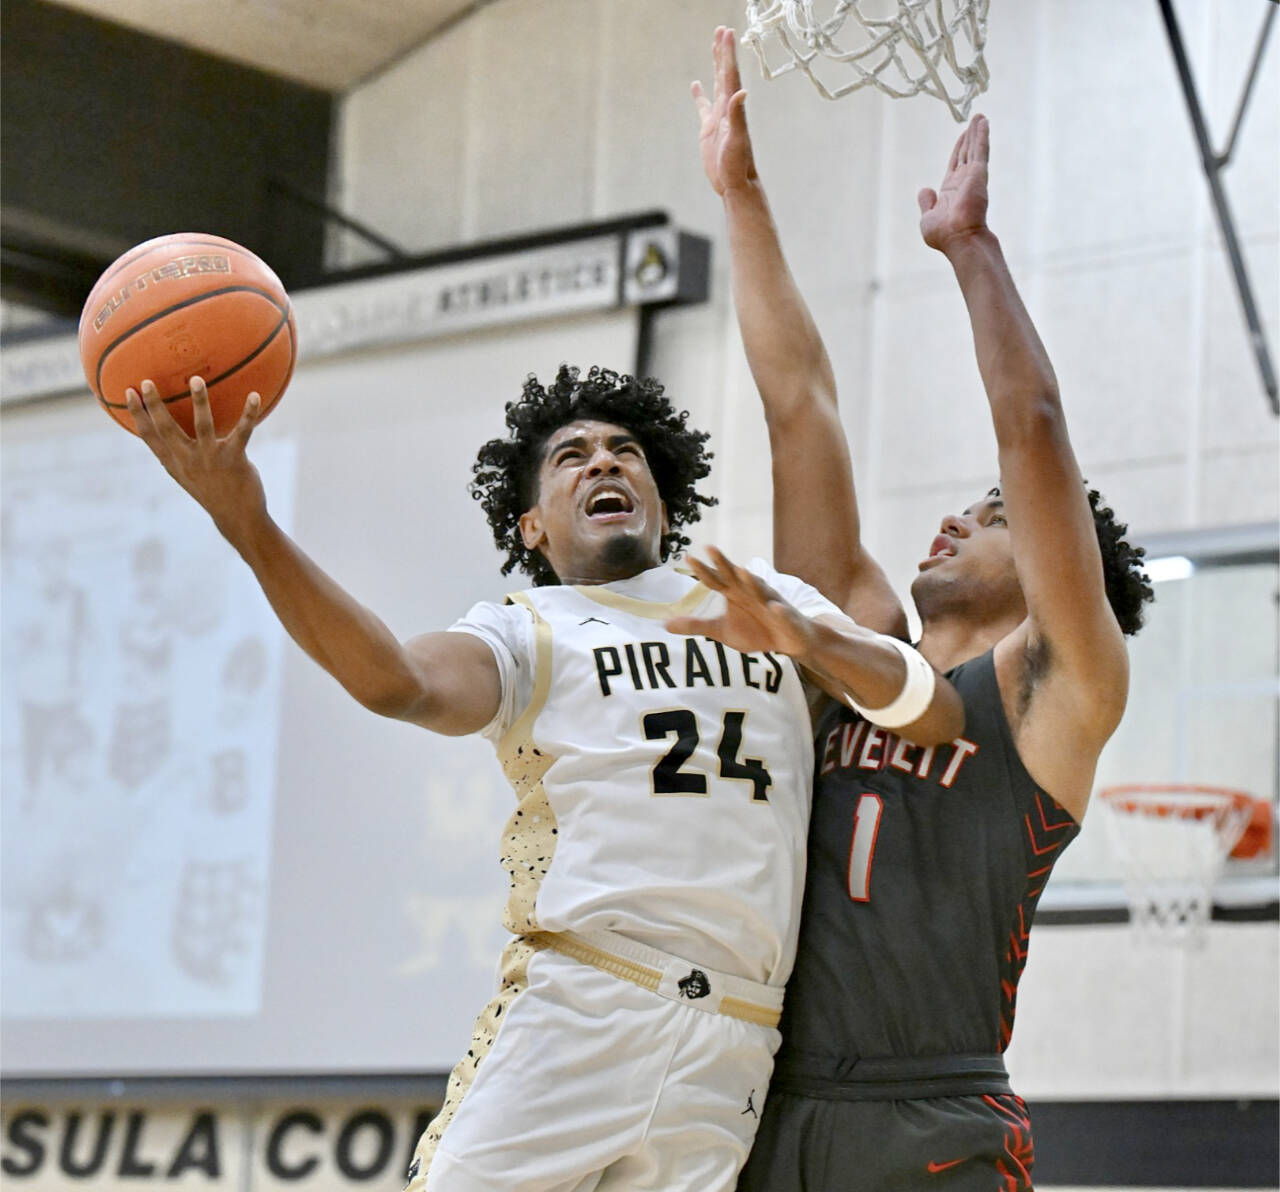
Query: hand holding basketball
[[189, 304], [959, 206], [724, 140], [215, 471]]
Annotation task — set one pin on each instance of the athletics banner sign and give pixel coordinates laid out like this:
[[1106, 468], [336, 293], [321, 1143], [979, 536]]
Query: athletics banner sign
[[637, 261]]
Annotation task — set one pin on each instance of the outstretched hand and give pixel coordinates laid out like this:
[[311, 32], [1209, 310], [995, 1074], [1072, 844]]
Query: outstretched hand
[[216, 472], [755, 618], [724, 140], [959, 206]]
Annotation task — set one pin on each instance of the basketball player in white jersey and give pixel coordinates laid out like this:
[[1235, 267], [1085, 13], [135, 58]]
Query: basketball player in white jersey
[[654, 727]]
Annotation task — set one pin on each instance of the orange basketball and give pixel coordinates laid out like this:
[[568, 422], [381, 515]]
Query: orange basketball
[[188, 305]]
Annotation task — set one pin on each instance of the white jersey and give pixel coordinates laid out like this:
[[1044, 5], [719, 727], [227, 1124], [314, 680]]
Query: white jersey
[[663, 782]]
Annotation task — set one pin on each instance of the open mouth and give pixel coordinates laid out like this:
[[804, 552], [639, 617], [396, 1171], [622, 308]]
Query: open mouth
[[608, 503], [942, 547]]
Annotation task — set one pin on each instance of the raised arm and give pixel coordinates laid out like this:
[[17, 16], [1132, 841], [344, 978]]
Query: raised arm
[[816, 532], [1069, 654], [885, 679], [447, 682]]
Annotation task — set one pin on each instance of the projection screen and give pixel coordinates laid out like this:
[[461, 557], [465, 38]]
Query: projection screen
[[216, 862]]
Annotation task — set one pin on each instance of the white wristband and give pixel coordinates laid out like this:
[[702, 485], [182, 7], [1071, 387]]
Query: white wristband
[[911, 702]]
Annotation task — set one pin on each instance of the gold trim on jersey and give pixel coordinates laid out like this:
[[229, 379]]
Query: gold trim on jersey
[[515, 969], [529, 837], [652, 609]]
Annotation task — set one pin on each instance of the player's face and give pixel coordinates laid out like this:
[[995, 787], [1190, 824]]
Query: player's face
[[598, 516], [970, 561]]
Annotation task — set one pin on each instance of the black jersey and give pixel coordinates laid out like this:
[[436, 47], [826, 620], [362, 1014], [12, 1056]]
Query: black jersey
[[925, 867]]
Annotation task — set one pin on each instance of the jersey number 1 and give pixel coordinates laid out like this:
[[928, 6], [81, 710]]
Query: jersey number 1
[[862, 848]]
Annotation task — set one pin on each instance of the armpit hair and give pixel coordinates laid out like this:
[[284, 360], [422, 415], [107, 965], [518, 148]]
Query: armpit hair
[[1036, 658]]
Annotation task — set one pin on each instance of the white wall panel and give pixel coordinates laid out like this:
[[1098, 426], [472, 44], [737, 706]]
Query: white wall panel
[[1239, 486], [1100, 1016], [1124, 165], [647, 126], [933, 417], [1231, 1036], [1088, 1024], [1120, 335], [403, 141], [533, 75], [820, 162]]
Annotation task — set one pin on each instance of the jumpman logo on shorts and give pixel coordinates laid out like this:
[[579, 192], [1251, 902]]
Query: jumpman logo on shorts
[[751, 1108]]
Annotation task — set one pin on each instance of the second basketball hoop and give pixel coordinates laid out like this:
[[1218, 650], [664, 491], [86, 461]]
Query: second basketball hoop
[[1172, 840]]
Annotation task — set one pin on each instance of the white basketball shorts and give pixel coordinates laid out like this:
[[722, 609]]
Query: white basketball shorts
[[594, 1084]]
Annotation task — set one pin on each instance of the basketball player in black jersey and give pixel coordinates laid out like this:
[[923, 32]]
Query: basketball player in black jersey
[[925, 865]]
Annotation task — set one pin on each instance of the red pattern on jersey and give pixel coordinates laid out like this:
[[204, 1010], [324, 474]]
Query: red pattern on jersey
[[1050, 829], [1014, 1168]]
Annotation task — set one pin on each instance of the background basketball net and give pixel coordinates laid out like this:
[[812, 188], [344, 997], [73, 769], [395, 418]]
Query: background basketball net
[[900, 47], [1172, 842]]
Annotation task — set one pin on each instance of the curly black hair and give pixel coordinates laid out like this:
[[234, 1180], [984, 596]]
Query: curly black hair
[[506, 470], [1128, 587]]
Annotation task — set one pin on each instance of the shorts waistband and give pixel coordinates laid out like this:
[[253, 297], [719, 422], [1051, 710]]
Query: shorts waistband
[[891, 1078], [668, 976]]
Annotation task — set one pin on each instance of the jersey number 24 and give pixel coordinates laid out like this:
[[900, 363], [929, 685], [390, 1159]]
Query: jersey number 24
[[669, 776]]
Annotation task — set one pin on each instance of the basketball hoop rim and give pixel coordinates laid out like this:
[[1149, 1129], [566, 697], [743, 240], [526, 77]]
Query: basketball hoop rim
[[1144, 798]]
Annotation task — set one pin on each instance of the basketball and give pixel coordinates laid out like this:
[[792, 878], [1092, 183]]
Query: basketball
[[184, 305]]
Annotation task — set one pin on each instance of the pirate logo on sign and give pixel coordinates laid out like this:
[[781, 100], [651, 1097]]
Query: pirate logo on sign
[[695, 985]]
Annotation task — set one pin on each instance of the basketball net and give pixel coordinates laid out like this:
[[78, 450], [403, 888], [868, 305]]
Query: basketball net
[[1172, 842], [900, 47]]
